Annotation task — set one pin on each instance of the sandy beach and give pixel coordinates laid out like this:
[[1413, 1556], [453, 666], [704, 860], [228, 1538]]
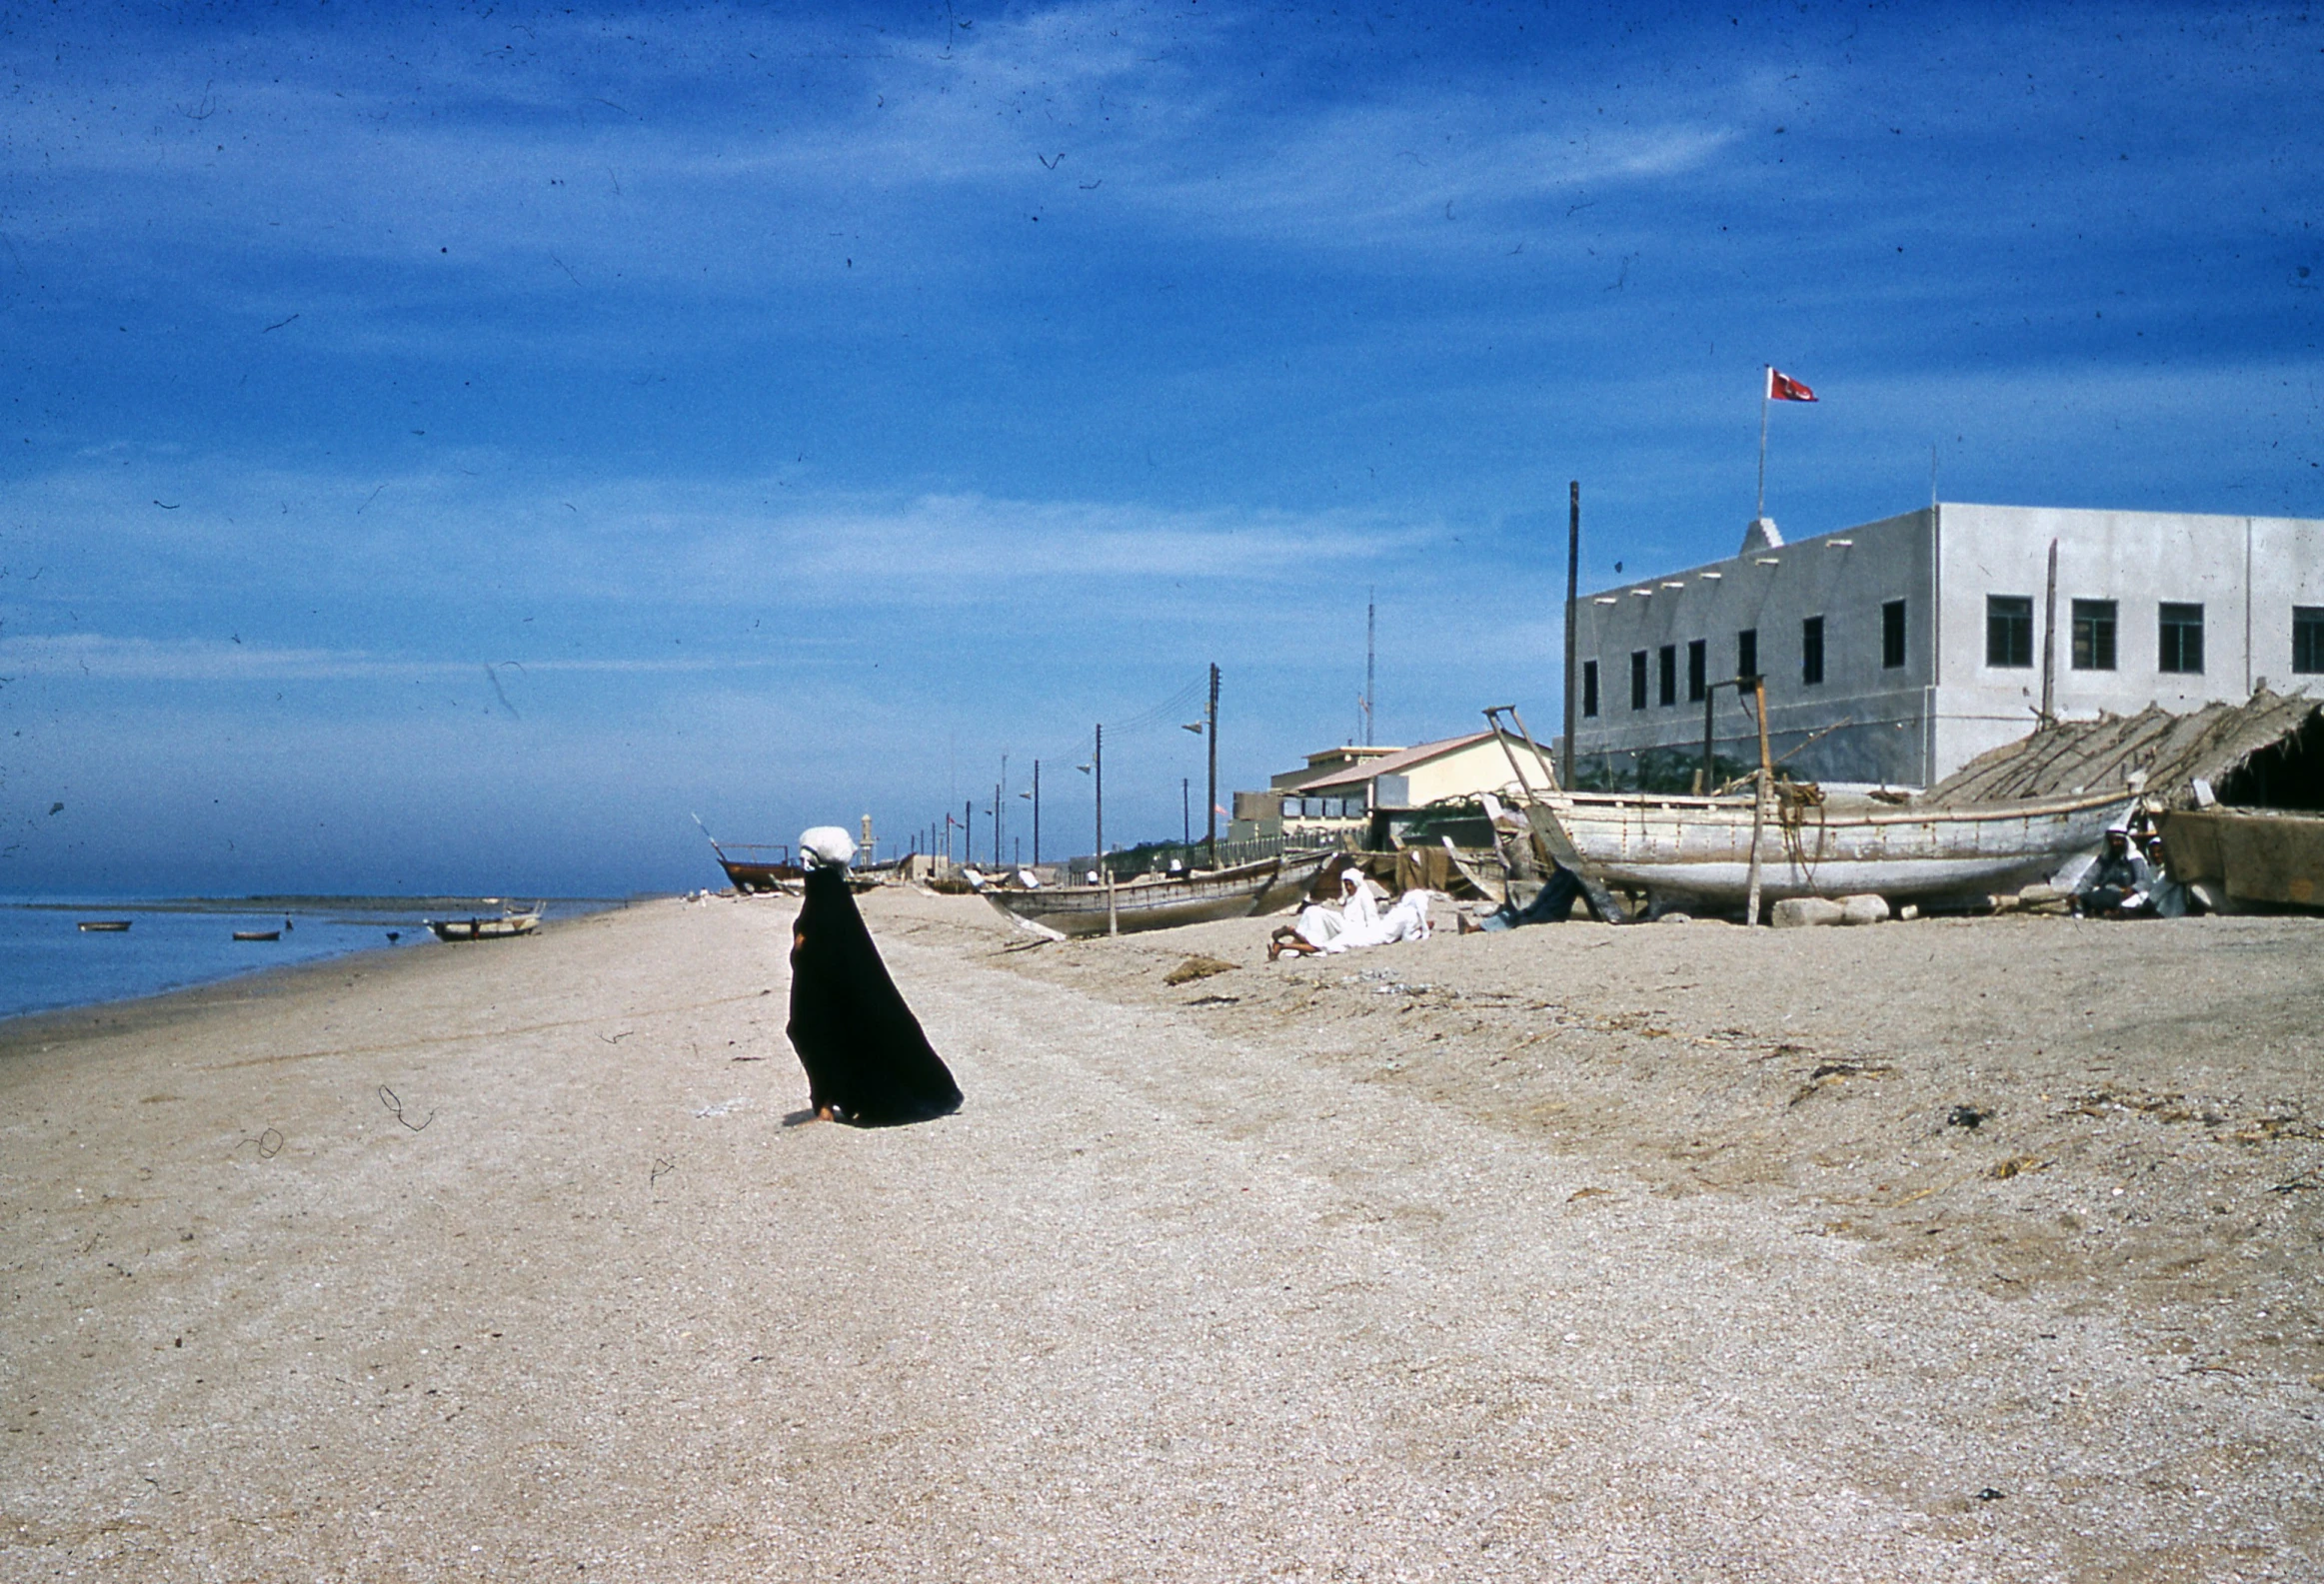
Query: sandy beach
[[1937, 1250]]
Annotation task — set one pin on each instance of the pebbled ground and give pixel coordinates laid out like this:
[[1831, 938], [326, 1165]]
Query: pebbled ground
[[1659, 1253]]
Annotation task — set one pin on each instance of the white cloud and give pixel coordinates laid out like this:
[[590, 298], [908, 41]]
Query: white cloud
[[439, 535], [113, 657]]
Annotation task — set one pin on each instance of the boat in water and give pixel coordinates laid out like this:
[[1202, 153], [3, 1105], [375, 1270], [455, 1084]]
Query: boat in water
[[1162, 901], [510, 923], [258, 934], [105, 926]]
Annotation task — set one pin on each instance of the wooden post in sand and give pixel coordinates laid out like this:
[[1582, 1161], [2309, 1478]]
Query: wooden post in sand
[[1758, 800]]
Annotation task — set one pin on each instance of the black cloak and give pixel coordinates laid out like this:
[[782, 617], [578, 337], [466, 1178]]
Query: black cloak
[[866, 1057]]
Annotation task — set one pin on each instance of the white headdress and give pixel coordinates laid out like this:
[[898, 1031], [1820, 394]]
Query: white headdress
[[827, 847]]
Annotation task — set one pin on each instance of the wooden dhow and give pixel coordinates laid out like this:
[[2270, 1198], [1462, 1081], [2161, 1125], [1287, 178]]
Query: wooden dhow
[[1700, 850], [755, 869], [1783, 839], [1161, 902]]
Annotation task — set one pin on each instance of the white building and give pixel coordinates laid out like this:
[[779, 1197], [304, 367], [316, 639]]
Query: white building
[[1916, 642]]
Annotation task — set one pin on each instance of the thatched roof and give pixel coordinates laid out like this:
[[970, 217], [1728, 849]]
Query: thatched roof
[[2214, 743]]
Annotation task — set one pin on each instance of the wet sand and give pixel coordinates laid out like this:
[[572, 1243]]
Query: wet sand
[[1661, 1253]]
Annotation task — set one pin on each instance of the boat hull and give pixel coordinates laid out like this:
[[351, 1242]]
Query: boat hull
[[761, 878], [1699, 849], [485, 929], [1239, 893]]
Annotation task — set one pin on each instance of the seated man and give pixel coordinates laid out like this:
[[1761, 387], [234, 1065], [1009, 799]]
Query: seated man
[[2167, 898], [1407, 920], [1552, 905], [2115, 887], [1317, 928]]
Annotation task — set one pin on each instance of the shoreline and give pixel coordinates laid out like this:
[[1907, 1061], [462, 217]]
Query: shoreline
[[320, 903], [46, 1026]]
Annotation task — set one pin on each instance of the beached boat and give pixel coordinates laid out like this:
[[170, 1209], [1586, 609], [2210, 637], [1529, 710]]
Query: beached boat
[[1680, 849], [752, 869], [510, 923], [105, 926], [1158, 903]]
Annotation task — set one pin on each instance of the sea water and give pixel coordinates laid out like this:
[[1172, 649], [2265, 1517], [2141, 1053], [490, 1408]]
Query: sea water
[[47, 962]]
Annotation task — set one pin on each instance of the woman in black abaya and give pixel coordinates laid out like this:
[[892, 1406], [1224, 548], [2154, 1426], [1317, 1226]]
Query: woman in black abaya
[[867, 1061]]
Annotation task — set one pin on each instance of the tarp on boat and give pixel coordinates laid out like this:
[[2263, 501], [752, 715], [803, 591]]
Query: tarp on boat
[[2266, 754]]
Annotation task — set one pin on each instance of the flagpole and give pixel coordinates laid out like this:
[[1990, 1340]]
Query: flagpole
[[1767, 379]]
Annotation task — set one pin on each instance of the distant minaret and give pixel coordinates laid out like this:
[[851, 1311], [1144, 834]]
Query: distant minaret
[[869, 855], [1371, 610]]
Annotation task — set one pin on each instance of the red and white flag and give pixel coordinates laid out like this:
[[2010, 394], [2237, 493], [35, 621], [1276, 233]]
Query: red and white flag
[[1783, 387]]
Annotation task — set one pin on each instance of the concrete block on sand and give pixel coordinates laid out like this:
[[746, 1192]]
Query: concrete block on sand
[[1798, 913]]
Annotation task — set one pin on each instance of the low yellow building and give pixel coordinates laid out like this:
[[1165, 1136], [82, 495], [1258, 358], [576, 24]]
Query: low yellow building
[[1353, 794]]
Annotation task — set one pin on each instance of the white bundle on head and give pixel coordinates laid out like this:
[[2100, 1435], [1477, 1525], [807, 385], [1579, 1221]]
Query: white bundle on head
[[827, 847]]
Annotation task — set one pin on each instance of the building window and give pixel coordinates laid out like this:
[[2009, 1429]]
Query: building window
[[1893, 635], [1811, 651], [1697, 671], [1747, 652], [2008, 629], [2093, 635], [1638, 679], [2182, 639], [1667, 675], [2307, 640], [1590, 689]]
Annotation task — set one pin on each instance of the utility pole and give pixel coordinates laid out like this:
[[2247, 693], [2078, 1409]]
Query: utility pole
[[1037, 814], [969, 831], [1105, 869], [1210, 808], [1572, 593], [1185, 817], [2049, 645], [1371, 696]]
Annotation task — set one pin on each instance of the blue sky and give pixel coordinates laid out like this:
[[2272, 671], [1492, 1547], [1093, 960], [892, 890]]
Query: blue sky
[[446, 446]]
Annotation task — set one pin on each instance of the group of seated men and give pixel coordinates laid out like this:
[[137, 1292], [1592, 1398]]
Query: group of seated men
[[2126, 883], [1357, 921]]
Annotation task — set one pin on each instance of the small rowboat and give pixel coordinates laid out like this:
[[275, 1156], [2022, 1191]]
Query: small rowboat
[[1243, 892], [105, 926], [258, 934], [510, 923]]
